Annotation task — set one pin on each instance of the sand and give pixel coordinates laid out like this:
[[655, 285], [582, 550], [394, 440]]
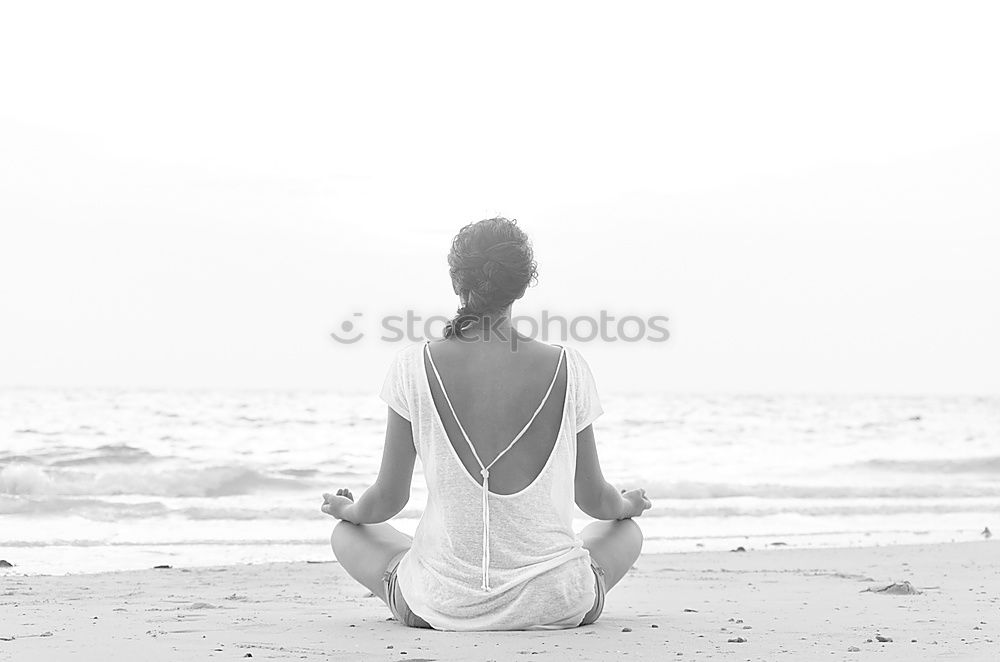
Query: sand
[[793, 604]]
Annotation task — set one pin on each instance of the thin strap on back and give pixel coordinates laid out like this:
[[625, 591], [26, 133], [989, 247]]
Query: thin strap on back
[[485, 468], [437, 375]]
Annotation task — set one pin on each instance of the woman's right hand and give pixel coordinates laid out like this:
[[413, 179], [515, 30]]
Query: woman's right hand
[[635, 503], [334, 504]]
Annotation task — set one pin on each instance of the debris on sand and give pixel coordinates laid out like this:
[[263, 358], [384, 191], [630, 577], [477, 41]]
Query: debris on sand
[[741, 548], [626, 629], [162, 567], [896, 588], [853, 649], [737, 640], [691, 611], [882, 639]]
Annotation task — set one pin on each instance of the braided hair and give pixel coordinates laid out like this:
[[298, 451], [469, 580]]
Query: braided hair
[[491, 264]]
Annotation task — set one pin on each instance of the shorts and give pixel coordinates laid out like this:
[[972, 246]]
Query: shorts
[[393, 597], [602, 590], [402, 612]]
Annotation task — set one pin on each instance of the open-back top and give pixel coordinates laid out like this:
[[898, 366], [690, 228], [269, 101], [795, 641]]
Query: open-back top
[[487, 561]]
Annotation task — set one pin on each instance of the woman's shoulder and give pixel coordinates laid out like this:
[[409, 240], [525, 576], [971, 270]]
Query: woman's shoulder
[[572, 354], [577, 365], [409, 355]]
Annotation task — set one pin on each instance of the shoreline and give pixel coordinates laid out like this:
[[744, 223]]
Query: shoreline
[[100, 557], [808, 603]]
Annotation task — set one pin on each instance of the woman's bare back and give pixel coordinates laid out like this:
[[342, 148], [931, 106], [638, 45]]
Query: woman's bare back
[[495, 389]]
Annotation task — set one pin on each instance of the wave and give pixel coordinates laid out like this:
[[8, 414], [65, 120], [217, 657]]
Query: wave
[[263, 421], [112, 511], [969, 465], [88, 508], [108, 454], [690, 490], [32, 480], [71, 456], [135, 473], [301, 473], [879, 507], [101, 510], [41, 433], [18, 459], [197, 542]]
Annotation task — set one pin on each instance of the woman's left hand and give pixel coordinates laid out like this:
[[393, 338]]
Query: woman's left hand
[[334, 504]]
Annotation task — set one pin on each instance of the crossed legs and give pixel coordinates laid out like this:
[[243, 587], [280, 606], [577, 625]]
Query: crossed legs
[[365, 550], [615, 545]]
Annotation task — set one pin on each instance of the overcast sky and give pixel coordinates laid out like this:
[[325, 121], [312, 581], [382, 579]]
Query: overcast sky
[[196, 194]]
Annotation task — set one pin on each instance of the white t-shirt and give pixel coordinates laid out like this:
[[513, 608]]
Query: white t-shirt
[[540, 573]]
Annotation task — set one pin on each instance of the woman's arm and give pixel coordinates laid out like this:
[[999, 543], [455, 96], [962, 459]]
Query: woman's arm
[[596, 496], [391, 490]]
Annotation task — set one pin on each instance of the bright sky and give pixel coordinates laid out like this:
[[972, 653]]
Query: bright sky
[[196, 194]]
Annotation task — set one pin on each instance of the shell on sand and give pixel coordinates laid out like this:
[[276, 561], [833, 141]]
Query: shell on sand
[[896, 588]]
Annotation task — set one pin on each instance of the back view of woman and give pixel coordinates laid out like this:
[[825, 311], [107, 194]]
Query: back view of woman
[[502, 425]]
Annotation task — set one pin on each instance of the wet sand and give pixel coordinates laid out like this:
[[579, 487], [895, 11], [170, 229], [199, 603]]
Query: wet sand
[[795, 604]]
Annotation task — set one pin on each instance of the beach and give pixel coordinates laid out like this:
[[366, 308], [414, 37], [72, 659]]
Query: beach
[[762, 604], [105, 480], [829, 496]]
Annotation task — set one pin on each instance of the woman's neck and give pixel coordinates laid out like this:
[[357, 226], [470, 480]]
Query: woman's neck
[[490, 327]]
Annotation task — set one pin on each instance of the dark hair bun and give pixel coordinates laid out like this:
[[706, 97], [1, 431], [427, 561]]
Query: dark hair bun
[[492, 265]]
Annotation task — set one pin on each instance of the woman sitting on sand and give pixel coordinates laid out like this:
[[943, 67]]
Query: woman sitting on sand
[[502, 425]]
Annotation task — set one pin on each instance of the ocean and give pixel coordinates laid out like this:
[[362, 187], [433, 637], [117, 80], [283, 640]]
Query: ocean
[[96, 480]]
